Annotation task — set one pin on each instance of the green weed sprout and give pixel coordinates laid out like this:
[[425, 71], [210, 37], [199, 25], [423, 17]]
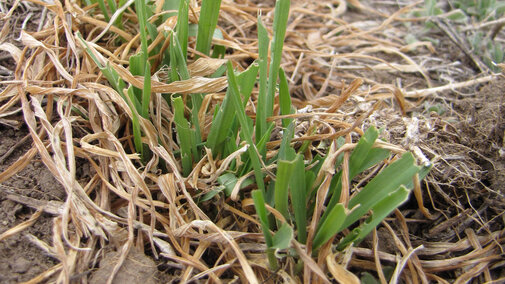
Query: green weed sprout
[[294, 189]]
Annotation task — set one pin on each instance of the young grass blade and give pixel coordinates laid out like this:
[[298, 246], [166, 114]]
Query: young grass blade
[[284, 98], [388, 180], [299, 198], [196, 99], [280, 24], [360, 154], [137, 135], [184, 134], [259, 205], [183, 26], [140, 7], [172, 5], [261, 114], [349, 239], [180, 60], [146, 93], [109, 73], [381, 210], [152, 31], [112, 6], [246, 131], [283, 237], [228, 180], [329, 227], [220, 125], [281, 195], [362, 158], [247, 80], [286, 152], [262, 143], [218, 52], [375, 155], [119, 21], [209, 14], [105, 13], [174, 67], [137, 64], [223, 120]]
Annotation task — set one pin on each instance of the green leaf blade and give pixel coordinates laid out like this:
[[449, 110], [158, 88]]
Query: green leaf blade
[[284, 172], [209, 14], [246, 131], [388, 180], [299, 198], [329, 227]]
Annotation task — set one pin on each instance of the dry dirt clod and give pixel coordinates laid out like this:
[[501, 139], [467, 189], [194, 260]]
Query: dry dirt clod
[[137, 268]]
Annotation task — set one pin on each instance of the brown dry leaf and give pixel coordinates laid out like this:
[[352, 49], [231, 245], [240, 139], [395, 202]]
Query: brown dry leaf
[[401, 264], [191, 86], [104, 25], [310, 265], [6, 30], [208, 225], [400, 99], [44, 275], [92, 149], [205, 66], [12, 50], [340, 273], [20, 227], [31, 42], [345, 95], [18, 165], [402, 55]]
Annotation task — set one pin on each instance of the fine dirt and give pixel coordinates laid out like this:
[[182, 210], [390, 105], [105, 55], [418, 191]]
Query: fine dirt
[[20, 259]]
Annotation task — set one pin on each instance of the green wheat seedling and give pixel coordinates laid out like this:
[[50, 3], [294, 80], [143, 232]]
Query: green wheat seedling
[[188, 132], [292, 187]]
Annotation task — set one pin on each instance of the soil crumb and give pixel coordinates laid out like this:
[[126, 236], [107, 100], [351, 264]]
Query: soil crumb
[[137, 268]]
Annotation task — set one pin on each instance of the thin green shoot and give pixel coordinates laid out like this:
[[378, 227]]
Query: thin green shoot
[[140, 7], [298, 184], [261, 113], [225, 114], [209, 14], [246, 131], [379, 211], [283, 176], [184, 135], [137, 134], [259, 204], [388, 180], [330, 226], [112, 6], [103, 8], [281, 16], [146, 94], [183, 26], [284, 98]]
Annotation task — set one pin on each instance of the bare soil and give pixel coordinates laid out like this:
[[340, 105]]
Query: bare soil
[[20, 259]]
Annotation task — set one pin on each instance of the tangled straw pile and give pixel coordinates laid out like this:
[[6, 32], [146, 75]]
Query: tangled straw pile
[[74, 115]]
